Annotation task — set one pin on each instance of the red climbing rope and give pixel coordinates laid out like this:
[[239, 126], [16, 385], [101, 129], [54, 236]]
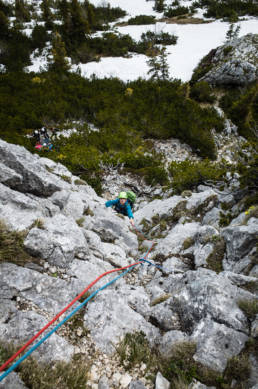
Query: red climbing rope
[[67, 307]]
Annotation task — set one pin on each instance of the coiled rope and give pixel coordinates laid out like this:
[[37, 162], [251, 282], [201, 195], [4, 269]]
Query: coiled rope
[[128, 268]]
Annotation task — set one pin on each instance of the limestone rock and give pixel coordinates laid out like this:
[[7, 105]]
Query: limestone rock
[[234, 62], [161, 382], [12, 381], [35, 179], [59, 243]]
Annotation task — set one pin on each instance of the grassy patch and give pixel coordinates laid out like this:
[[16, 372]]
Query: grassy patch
[[38, 223], [12, 247], [134, 349], [160, 299], [238, 368], [80, 221], [67, 179], [249, 307], [88, 212], [214, 260], [188, 242], [80, 182]]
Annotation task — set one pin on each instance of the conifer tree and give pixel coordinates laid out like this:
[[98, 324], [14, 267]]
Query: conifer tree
[[22, 13], [164, 70], [159, 6], [159, 66], [90, 15], [47, 14], [154, 70], [63, 8], [59, 63], [80, 26], [232, 32], [4, 25]]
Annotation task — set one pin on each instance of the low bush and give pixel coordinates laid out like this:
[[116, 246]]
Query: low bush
[[240, 105], [141, 19], [178, 11], [188, 174], [229, 9], [249, 307], [11, 246], [202, 92]]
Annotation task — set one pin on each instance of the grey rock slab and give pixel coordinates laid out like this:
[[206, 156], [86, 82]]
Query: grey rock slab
[[202, 202], [87, 271], [175, 265], [59, 242], [239, 242], [164, 317], [173, 243], [212, 217], [9, 176], [103, 383], [12, 381], [115, 255], [35, 178], [48, 293], [169, 340], [201, 254], [136, 385], [198, 385], [216, 343], [157, 207], [112, 228], [235, 62], [109, 318], [161, 382], [19, 210], [23, 325]]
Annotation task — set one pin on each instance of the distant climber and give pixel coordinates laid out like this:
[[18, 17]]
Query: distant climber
[[122, 205]]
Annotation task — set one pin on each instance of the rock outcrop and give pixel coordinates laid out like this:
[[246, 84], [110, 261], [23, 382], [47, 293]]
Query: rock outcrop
[[234, 63], [193, 296]]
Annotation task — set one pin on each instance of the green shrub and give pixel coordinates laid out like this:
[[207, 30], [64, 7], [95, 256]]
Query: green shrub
[[11, 246], [178, 11], [240, 104], [229, 9], [202, 92], [203, 66], [188, 174], [141, 19], [249, 307]]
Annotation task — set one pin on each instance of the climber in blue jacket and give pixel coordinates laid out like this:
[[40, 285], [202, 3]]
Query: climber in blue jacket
[[121, 205]]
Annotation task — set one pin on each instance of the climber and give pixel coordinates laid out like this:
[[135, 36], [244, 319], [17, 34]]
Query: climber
[[121, 205]]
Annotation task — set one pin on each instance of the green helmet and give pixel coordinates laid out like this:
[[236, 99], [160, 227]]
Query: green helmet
[[122, 195]]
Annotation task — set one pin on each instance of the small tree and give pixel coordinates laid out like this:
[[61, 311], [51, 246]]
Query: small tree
[[158, 66], [232, 33], [22, 13], [59, 63], [159, 6], [47, 14]]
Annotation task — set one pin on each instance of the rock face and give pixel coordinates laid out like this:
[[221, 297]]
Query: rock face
[[235, 62], [192, 296]]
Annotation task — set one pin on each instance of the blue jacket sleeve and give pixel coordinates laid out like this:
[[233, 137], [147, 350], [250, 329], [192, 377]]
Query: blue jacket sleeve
[[111, 202], [129, 210]]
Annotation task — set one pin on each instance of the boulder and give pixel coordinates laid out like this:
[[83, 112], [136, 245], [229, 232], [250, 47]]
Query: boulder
[[33, 177], [240, 240], [216, 343], [59, 242], [109, 318], [47, 293], [12, 381], [23, 325], [234, 62]]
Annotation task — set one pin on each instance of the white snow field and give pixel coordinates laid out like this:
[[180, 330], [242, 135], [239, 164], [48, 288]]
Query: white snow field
[[194, 42]]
